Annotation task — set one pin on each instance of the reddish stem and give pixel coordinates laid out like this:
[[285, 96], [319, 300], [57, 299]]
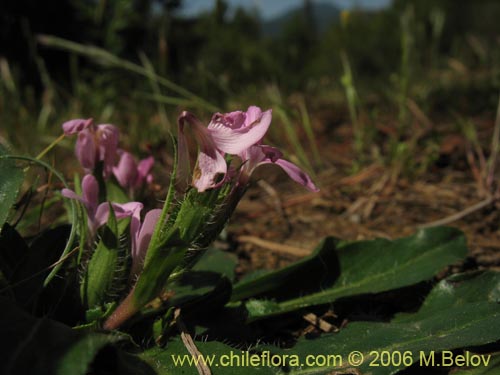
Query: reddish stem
[[123, 312]]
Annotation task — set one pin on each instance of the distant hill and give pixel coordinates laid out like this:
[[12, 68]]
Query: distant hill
[[324, 14]]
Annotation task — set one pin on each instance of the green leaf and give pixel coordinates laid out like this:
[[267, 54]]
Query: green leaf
[[208, 282], [106, 270], [493, 368], [317, 269], [10, 183], [13, 251], [377, 266], [42, 346], [162, 262], [115, 193], [459, 312], [217, 261], [44, 250], [175, 359]]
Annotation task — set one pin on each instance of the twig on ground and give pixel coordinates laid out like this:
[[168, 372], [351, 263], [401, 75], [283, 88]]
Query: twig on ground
[[186, 338], [461, 214], [273, 246], [277, 202], [320, 323]]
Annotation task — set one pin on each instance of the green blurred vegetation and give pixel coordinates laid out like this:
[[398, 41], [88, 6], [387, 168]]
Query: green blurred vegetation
[[441, 54]]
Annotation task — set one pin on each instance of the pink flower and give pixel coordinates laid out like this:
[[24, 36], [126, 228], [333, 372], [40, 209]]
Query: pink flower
[[141, 236], [131, 175], [235, 133], [262, 154], [107, 139], [94, 143], [230, 133], [98, 213], [76, 126]]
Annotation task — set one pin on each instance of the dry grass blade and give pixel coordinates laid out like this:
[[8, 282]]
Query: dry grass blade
[[186, 338], [273, 246], [320, 323], [459, 215]]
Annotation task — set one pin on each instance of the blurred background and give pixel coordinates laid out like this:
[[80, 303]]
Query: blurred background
[[137, 63], [389, 105]]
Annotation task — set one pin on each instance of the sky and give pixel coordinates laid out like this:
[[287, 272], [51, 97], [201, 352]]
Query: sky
[[269, 9]]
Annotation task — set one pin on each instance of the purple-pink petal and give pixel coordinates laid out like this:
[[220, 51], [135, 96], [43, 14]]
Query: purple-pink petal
[[71, 195], [86, 149], [262, 154], [126, 170], [75, 126], [107, 136], [90, 193], [209, 169], [121, 211], [234, 139], [143, 169], [133, 209], [254, 114], [297, 174], [100, 218], [145, 233], [183, 163]]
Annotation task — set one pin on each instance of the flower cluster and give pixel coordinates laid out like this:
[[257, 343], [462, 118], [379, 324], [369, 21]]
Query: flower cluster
[[168, 241], [99, 144]]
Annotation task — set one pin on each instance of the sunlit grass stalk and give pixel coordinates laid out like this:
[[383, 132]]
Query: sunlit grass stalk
[[407, 42], [492, 160], [306, 124], [352, 103], [104, 57], [50, 147], [292, 138]]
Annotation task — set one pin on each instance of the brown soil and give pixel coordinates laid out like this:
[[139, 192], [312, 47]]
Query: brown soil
[[278, 221]]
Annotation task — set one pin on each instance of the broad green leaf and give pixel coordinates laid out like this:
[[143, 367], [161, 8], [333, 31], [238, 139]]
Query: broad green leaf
[[377, 266], [28, 277], [175, 359], [13, 251], [208, 282], [217, 261], [206, 285], [318, 269], [459, 312], [32, 345], [10, 183], [493, 368], [200, 288]]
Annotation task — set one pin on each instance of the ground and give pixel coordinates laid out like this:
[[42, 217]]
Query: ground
[[278, 221]]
